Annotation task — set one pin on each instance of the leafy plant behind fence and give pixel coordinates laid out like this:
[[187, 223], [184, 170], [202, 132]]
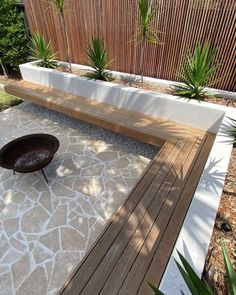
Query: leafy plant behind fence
[[146, 31], [60, 9]]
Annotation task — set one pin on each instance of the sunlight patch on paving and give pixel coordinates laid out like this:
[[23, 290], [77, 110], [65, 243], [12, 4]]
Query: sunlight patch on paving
[[45, 230]]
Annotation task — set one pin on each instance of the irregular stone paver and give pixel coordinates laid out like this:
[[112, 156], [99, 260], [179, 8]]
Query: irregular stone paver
[[40, 254], [81, 223], [35, 284], [63, 265], [46, 202], [6, 284], [4, 246], [11, 226], [34, 220], [72, 240], [59, 217], [51, 240], [17, 244], [60, 190], [20, 270], [45, 229]]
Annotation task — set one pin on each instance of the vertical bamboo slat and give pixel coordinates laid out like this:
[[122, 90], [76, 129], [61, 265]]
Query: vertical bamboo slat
[[183, 23]]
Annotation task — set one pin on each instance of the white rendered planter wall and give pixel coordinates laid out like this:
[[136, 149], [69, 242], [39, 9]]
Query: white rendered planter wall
[[152, 103], [194, 237]]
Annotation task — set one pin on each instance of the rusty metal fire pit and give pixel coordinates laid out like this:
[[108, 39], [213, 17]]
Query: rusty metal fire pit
[[29, 153]]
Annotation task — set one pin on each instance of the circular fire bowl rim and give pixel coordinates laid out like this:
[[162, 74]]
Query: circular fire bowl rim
[[31, 143]]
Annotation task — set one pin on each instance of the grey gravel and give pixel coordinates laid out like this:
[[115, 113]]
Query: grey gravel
[[128, 144]]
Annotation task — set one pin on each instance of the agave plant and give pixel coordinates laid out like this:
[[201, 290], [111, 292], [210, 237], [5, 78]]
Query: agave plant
[[146, 31], [42, 50], [99, 60], [197, 73], [232, 131], [198, 286], [59, 5]]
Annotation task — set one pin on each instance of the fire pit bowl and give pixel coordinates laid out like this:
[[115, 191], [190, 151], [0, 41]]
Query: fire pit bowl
[[29, 153]]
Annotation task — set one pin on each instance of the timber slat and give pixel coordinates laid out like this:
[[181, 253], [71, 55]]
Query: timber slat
[[137, 242], [146, 237], [131, 209], [134, 124], [122, 240], [142, 233], [183, 24], [163, 252], [152, 245]]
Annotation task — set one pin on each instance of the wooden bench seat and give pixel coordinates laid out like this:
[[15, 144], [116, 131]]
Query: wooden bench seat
[[137, 242], [134, 124]]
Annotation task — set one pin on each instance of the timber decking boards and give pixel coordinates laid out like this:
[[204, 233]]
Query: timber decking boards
[[137, 242], [134, 124]]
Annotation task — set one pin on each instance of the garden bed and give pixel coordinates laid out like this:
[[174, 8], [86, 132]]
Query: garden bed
[[214, 268], [136, 83], [191, 113]]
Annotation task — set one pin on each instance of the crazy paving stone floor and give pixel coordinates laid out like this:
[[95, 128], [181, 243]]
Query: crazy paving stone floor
[[45, 230]]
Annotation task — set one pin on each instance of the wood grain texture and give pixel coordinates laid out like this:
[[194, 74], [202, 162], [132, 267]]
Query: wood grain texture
[[183, 23], [130, 123], [137, 242]]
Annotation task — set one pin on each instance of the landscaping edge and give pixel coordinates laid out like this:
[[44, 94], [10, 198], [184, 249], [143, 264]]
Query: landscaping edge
[[194, 238]]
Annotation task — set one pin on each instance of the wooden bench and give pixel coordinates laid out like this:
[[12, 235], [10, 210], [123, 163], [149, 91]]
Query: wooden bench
[[137, 242], [134, 124]]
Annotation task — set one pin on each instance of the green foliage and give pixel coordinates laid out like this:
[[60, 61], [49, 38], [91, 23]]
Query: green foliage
[[146, 31], [60, 8], [7, 101], [197, 73], [232, 131], [195, 285], [99, 60], [59, 4], [155, 290], [13, 36], [230, 272], [200, 287], [41, 50]]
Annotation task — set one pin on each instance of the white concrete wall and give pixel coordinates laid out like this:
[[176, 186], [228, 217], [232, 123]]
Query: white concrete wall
[[164, 106], [194, 237]]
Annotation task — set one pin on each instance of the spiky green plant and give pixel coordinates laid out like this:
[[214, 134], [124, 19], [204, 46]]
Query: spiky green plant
[[194, 283], [146, 31], [230, 272], [60, 8], [42, 50], [99, 60], [197, 73], [198, 286], [232, 130]]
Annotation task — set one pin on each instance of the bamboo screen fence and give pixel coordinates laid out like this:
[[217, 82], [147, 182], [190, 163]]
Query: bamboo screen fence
[[183, 23]]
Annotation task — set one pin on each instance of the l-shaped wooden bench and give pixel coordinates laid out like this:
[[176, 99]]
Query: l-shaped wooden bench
[[137, 242]]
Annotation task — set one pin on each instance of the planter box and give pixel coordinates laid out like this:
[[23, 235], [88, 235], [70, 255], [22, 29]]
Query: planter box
[[194, 237], [164, 106]]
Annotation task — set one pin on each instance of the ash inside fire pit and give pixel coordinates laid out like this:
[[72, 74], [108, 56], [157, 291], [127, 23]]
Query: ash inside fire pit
[[29, 153], [31, 159]]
